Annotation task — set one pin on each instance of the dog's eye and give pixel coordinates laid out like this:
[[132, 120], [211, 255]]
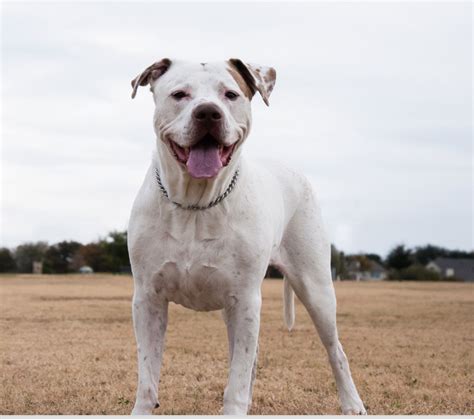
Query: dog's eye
[[231, 95], [178, 95]]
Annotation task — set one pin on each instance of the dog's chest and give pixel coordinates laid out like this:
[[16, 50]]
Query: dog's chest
[[195, 263], [196, 275]]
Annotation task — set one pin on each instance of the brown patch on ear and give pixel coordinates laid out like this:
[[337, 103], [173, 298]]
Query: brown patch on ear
[[244, 78], [151, 73], [269, 79], [258, 78], [247, 91], [270, 76]]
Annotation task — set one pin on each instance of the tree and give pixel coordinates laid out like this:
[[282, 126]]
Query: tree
[[364, 263], [93, 255], [28, 253], [116, 250], [58, 258], [460, 254], [399, 257], [334, 256], [7, 263], [425, 254], [338, 261], [374, 257]]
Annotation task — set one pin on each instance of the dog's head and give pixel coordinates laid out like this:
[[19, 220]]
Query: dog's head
[[202, 111]]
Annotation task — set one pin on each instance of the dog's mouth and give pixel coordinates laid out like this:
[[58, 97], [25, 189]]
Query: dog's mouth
[[204, 159]]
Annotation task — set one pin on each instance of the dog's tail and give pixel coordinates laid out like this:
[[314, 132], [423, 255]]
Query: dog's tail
[[289, 304]]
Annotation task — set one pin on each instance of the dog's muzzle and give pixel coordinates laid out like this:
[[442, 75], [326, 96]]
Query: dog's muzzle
[[206, 157]]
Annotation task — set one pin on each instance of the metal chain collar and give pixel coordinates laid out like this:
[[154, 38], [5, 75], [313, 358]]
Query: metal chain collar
[[216, 201]]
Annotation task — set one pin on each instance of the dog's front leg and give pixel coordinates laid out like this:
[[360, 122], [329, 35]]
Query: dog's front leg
[[150, 317], [242, 315]]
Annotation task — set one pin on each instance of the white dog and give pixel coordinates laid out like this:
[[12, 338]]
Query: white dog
[[206, 224]]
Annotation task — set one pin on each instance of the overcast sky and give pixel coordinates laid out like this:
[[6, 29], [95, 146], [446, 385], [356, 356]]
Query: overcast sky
[[373, 102]]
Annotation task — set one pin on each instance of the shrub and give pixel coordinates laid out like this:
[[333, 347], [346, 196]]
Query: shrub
[[7, 263], [416, 273]]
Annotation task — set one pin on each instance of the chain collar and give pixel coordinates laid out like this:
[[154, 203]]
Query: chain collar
[[216, 201]]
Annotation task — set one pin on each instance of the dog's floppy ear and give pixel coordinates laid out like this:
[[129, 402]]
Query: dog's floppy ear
[[149, 74], [257, 77]]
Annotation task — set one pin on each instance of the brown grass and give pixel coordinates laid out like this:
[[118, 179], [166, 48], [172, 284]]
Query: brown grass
[[68, 347]]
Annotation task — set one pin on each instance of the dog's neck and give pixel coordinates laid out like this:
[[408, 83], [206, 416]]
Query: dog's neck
[[186, 190]]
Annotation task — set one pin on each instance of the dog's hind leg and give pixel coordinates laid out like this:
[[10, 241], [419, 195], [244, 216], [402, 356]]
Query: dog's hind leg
[[305, 260], [150, 318]]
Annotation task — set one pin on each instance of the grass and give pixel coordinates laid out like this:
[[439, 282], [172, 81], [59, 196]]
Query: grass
[[67, 347]]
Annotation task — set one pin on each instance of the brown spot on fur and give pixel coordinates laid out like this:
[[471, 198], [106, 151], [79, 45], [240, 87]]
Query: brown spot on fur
[[270, 76], [245, 80], [241, 82], [152, 72]]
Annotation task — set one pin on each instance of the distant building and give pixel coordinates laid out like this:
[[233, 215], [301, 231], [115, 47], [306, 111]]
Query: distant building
[[376, 271], [461, 269], [37, 267], [86, 270], [353, 270]]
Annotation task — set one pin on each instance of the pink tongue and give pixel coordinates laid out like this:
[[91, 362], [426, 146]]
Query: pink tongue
[[204, 161]]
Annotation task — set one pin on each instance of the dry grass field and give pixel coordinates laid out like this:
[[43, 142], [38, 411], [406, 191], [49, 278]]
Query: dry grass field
[[67, 347]]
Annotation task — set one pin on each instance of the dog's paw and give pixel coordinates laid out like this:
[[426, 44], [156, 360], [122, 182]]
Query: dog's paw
[[145, 407], [354, 411], [141, 410]]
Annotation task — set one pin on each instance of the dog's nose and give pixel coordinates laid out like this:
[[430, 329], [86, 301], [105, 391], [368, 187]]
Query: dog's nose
[[207, 112]]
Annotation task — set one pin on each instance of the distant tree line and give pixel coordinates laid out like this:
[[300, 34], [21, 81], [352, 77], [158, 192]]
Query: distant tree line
[[401, 263], [109, 254]]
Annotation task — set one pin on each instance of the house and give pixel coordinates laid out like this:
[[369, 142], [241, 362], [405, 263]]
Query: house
[[374, 272], [37, 267], [461, 269], [86, 270], [353, 270]]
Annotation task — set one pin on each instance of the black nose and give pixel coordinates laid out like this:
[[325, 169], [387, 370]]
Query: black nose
[[207, 112]]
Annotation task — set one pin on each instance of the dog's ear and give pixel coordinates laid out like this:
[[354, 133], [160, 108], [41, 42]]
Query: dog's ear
[[149, 74], [257, 77]]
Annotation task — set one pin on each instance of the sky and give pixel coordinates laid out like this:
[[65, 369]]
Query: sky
[[373, 103]]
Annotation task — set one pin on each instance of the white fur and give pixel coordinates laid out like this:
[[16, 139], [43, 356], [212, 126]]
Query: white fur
[[216, 259]]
